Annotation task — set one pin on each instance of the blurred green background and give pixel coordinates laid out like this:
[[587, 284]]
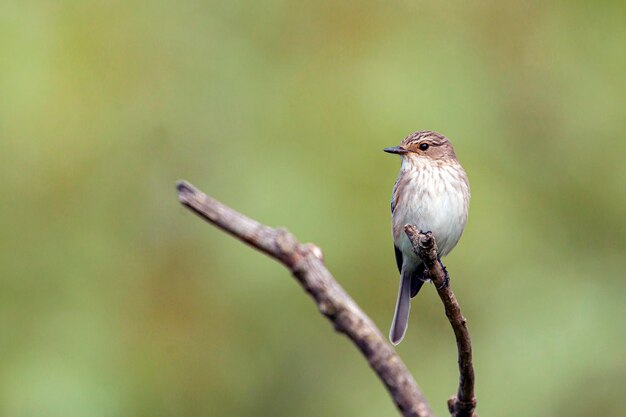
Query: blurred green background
[[116, 301]]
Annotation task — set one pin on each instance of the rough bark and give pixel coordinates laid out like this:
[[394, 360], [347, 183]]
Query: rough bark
[[424, 245]]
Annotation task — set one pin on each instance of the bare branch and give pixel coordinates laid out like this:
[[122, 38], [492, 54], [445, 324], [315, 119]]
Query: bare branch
[[464, 403], [305, 262]]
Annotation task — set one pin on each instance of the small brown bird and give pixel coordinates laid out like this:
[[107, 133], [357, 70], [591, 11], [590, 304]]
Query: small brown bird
[[431, 192]]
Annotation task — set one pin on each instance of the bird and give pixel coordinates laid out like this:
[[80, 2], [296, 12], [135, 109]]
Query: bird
[[432, 193]]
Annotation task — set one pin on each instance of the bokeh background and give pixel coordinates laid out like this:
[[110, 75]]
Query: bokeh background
[[116, 301]]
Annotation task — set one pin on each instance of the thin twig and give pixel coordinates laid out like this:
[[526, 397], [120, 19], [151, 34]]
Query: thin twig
[[424, 245], [306, 263]]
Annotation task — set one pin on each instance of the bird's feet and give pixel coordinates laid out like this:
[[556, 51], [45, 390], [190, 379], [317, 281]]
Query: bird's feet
[[446, 280]]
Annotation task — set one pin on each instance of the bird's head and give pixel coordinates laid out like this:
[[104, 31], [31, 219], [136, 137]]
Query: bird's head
[[424, 145]]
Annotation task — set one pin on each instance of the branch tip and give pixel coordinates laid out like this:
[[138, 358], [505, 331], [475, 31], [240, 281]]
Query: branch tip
[[184, 187]]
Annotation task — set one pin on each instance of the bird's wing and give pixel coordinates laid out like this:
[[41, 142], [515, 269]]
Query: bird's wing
[[394, 201], [398, 258], [394, 195]]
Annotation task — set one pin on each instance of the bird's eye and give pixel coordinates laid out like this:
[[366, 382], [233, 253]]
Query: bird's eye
[[424, 146]]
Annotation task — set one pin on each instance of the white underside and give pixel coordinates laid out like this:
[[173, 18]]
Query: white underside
[[436, 200]]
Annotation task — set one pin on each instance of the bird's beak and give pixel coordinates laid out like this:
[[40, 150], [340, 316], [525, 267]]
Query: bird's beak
[[396, 149]]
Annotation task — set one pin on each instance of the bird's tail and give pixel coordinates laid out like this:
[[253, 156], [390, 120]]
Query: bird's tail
[[410, 284], [403, 306]]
